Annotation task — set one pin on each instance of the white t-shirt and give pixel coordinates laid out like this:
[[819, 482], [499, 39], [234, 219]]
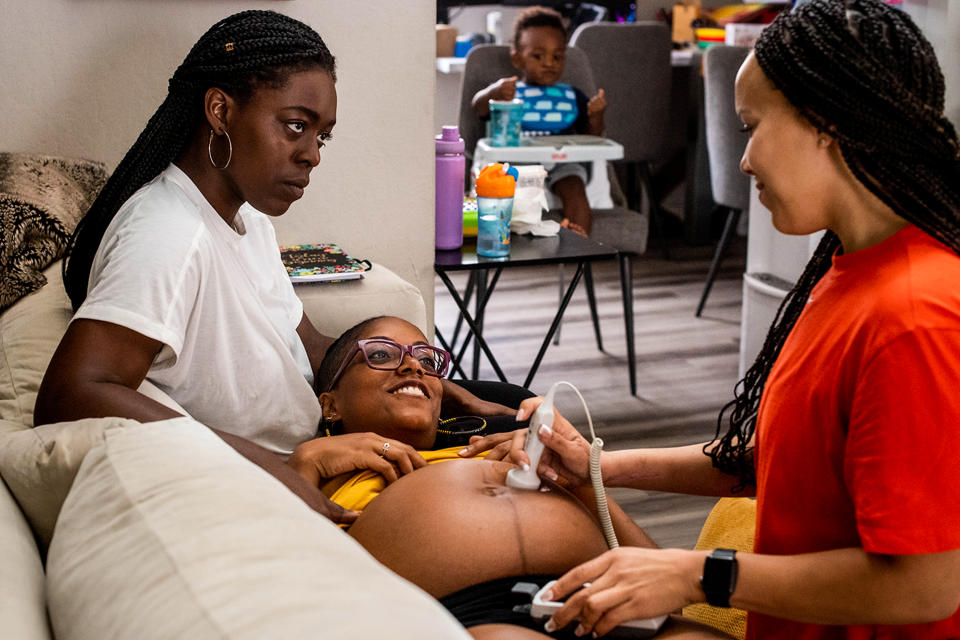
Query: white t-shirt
[[218, 298]]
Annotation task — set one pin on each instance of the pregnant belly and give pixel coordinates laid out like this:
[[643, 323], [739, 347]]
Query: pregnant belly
[[455, 524]]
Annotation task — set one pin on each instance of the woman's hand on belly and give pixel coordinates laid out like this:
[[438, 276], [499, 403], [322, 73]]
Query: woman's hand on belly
[[331, 456], [566, 456], [499, 446]]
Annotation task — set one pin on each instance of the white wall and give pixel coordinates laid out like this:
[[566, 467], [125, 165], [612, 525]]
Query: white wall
[[81, 77], [940, 22]]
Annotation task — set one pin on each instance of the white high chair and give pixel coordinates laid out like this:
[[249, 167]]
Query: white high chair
[[618, 227]]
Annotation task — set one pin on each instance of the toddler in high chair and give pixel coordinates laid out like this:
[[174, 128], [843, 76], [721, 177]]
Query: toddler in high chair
[[538, 52]]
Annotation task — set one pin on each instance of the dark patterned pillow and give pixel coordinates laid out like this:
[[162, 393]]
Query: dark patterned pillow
[[41, 200]]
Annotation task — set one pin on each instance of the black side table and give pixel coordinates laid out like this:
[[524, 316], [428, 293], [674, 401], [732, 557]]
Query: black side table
[[525, 251]]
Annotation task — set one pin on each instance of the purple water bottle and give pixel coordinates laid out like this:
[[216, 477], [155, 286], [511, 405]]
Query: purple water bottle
[[450, 170]]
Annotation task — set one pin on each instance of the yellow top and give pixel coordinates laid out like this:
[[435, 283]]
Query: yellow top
[[366, 485]]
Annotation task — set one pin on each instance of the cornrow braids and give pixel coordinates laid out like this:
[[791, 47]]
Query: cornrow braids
[[238, 54], [537, 16], [862, 72]]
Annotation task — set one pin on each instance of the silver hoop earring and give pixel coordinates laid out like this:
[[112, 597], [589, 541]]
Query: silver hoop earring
[[229, 151]]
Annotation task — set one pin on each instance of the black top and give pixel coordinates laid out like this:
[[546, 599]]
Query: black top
[[456, 432]]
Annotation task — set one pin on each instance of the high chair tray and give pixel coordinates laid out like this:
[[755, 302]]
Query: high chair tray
[[553, 149]]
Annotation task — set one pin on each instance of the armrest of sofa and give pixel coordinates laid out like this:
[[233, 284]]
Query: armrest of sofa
[[168, 533], [334, 307], [22, 609]]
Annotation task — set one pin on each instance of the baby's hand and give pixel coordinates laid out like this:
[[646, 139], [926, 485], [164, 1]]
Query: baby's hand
[[504, 88], [597, 104]]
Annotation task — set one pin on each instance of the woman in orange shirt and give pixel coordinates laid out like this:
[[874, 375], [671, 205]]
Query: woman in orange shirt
[[452, 528], [847, 426]]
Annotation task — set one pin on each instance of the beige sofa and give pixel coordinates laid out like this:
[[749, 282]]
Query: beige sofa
[[114, 529]]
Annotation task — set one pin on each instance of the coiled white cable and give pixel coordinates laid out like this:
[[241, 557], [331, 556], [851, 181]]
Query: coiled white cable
[[596, 475]]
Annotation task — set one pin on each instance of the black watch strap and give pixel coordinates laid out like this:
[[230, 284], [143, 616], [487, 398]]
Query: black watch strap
[[719, 577]]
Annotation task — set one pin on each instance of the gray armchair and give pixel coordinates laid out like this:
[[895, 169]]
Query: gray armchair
[[725, 146]]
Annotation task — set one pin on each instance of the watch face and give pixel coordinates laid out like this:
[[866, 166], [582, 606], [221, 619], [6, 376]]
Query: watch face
[[719, 577]]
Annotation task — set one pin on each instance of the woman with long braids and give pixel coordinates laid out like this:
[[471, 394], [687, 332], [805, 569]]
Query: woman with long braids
[[175, 273], [847, 426]]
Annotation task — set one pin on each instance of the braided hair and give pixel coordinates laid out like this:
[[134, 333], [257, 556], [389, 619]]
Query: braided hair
[[239, 54], [337, 351], [862, 72], [537, 17]]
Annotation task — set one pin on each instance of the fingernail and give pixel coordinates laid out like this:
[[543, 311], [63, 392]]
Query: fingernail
[[579, 631], [525, 466], [546, 431], [551, 474], [550, 627], [519, 415], [547, 595], [462, 452]]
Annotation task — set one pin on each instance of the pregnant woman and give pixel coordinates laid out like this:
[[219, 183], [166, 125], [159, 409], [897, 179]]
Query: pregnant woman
[[453, 528]]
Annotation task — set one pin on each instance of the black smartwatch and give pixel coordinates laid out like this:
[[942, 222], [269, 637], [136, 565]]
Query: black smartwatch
[[719, 577]]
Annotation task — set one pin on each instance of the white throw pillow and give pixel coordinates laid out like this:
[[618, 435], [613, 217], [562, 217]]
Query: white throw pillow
[[169, 533], [39, 466], [31, 330]]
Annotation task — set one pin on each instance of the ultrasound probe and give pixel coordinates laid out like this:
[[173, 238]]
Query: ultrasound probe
[[528, 478]]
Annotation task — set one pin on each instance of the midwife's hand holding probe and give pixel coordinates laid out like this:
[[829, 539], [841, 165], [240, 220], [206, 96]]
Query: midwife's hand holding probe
[[563, 443], [628, 583]]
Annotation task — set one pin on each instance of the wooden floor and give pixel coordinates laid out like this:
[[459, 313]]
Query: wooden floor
[[686, 366]]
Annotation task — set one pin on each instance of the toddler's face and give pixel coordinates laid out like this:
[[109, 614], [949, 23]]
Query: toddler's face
[[541, 55]]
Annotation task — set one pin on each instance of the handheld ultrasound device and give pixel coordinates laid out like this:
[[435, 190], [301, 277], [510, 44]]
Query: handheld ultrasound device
[[529, 480], [646, 628], [542, 417], [533, 447]]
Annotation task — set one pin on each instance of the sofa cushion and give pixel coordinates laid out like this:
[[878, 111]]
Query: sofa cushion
[[39, 465], [334, 307], [41, 200], [29, 334], [22, 611], [168, 533]]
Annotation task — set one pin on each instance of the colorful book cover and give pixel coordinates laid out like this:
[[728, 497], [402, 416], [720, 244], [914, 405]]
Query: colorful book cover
[[321, 262]]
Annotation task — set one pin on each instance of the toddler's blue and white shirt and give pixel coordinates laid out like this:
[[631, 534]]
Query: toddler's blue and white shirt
[[552, 109]]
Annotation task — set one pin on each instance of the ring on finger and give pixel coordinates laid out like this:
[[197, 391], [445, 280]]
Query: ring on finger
[[383, 451]]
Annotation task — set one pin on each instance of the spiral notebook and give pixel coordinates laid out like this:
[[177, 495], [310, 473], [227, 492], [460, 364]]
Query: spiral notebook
[[321, 263]]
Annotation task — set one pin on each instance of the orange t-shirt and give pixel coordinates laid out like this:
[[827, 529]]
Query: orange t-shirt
[[858, 434]]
